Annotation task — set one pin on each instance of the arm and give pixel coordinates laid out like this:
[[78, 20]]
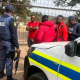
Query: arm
[[28, 29], [13, 31], [65, 33], [39, 35], [34, 28], [78, 32], [31, 28]]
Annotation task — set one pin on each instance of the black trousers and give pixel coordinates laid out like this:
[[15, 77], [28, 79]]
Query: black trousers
[[30, 42]]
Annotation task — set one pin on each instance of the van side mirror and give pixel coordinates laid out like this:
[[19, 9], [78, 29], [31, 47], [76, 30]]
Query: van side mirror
[[78, 50], [70, 49]]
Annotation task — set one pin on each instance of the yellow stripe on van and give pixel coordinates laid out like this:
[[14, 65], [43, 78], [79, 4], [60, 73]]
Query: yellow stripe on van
[[70, 66], [49, 70]]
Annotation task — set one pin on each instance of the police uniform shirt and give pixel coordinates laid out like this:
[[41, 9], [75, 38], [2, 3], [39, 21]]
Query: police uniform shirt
[[13, 31]]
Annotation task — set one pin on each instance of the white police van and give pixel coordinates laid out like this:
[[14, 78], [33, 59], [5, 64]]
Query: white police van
[[53, 61]]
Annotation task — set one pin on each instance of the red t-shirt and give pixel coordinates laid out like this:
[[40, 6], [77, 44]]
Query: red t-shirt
[[32, 33]]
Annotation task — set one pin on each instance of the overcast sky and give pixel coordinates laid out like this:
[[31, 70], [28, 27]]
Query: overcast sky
[[49, 3]]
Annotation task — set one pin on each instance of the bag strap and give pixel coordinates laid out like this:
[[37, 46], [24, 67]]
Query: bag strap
[[61, 29]]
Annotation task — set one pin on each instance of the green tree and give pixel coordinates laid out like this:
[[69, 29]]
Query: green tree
[[77, 16], [20, 11], [66, 2], [70, 3]]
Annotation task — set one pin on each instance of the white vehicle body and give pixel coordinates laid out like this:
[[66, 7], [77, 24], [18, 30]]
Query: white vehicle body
[[52, 60]]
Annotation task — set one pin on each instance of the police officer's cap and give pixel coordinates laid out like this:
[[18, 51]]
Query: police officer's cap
[[10, 7]]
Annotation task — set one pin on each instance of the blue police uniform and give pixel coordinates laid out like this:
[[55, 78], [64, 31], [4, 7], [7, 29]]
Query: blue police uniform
[[8, 31]]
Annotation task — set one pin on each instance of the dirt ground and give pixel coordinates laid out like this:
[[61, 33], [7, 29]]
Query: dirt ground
[[19, 73]]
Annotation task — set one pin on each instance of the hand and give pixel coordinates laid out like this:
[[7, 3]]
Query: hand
[[35, 28], [27, 28], [18, 51], [69, 32], [30, 27]]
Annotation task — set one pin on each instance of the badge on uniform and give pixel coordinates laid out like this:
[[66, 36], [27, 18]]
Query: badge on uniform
[[15, 24]]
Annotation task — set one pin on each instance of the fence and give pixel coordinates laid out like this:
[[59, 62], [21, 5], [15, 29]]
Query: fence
[[39, 8]]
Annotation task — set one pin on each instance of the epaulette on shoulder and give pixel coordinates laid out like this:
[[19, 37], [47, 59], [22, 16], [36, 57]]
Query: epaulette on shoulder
[[12, 19]]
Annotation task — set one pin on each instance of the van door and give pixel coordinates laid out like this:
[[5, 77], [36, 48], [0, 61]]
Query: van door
[[70, 68], [48, 60]]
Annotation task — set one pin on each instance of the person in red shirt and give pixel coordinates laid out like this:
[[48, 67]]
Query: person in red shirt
[[46, 32], [32, 27], [61, 29]]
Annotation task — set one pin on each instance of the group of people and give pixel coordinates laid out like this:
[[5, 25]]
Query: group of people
[[48, 31]]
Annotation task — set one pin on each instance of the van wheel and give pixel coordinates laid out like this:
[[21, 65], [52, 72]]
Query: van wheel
[[38, 76]]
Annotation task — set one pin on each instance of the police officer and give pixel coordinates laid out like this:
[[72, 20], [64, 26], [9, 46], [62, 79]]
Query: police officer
[[73, 29], [8, 42]]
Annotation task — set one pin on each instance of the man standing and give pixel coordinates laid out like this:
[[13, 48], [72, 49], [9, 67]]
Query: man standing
[[32, 27], [73, 29], [46, 32], [8, 42], [61, 29]]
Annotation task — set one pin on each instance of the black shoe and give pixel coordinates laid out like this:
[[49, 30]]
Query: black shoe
[[2, 74], [11, 79]]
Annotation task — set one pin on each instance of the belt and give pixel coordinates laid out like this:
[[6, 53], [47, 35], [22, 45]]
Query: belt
[[4, 39]]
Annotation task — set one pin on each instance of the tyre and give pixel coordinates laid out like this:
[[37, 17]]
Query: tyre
[[38, 76]]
